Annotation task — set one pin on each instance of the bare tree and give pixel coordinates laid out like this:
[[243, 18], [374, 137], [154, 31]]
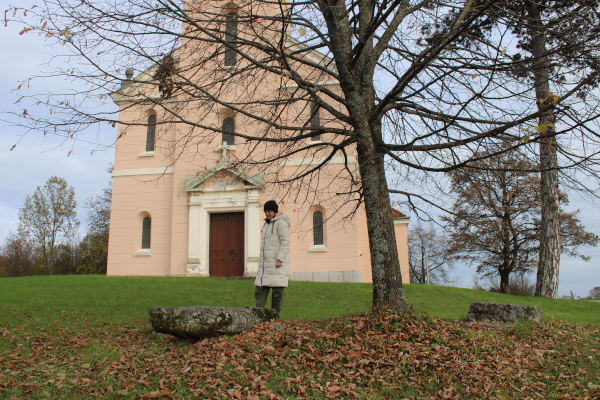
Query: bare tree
[[384, 95], [428, 256], [94, 246], [17, 257], [496, 219], [49, 218]]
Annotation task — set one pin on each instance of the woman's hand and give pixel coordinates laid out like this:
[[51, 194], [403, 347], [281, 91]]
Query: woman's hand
[[278, 264]]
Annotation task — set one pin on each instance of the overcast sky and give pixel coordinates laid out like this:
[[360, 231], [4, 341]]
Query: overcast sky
[[36, 158]]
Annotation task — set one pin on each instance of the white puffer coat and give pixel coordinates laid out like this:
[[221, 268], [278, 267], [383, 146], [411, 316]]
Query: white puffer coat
[[274, 245]]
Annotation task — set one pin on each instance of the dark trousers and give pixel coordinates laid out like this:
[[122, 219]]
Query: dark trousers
[[262, 293]]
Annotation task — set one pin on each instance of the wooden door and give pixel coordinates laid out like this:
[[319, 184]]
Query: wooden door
[[226, 244]]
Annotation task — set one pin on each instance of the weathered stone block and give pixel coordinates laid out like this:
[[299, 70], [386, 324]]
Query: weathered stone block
[[204, 321], [302, 276], [335, 276], [503, 312], [320, 276]]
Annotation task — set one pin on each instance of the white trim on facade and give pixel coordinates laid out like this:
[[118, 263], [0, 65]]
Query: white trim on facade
[[317, 248], [143, 171]]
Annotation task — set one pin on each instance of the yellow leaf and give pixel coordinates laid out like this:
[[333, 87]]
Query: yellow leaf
[[45, 23], [525, 139], [541, 128], [503, 52], [100, 52], [119, 71], [25, 30], [49, 35], [474, 76], [12, 148], [302, 31]]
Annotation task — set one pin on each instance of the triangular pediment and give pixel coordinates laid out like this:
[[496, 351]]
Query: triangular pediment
[[223, 176]]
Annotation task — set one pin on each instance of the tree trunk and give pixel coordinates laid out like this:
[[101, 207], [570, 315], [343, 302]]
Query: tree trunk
[[387, 276], [549, 256], [504, 279]]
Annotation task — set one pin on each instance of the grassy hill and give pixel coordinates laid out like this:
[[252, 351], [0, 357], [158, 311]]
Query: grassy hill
[[121, 299], [80, 337]]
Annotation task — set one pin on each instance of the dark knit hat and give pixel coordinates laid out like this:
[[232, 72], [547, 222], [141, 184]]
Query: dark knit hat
[[272, 205]]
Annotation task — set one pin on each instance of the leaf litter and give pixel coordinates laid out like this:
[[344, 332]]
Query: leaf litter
[[377, 354]]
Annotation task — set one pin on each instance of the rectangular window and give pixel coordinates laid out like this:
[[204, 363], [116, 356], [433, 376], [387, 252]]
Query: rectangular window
[[315, 119], [146, 227], [318, 227], [151, 132], [230, 36]]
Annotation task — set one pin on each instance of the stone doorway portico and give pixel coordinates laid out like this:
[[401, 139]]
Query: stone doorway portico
[[222, 189]]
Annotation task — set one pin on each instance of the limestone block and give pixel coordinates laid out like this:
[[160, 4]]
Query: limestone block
[[204, 321], [503, 312], [302, 276], [335, 276], [320, 276]]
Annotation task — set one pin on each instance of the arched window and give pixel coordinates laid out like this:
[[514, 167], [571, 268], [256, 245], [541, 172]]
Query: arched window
[[228, 129], [230, 36], [318, 227], [150, 134], [315, 119], [146, 228]]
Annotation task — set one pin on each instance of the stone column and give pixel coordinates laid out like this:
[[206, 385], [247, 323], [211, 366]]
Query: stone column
[[252, 232], [196, 264]]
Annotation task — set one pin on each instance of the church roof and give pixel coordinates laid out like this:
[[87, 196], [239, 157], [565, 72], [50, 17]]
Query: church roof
[[398, 215]]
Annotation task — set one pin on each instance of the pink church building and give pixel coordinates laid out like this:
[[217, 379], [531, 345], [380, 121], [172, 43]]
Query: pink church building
[[186, 201]]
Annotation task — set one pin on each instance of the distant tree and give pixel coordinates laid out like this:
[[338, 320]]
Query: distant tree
[[68, 259], [496, 218], [49, 218], [595, 293], [17, 257], [94, 246], [428, 247], [519, 284]]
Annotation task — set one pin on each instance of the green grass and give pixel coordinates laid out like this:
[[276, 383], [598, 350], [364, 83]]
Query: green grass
[[79, 337], [453, 303], [121, 299]]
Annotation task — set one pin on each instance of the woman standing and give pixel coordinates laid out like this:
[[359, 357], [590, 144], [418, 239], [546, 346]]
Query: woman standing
[[274, 259]]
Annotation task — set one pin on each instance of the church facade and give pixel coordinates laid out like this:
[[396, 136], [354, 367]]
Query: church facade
[[188, 202]]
